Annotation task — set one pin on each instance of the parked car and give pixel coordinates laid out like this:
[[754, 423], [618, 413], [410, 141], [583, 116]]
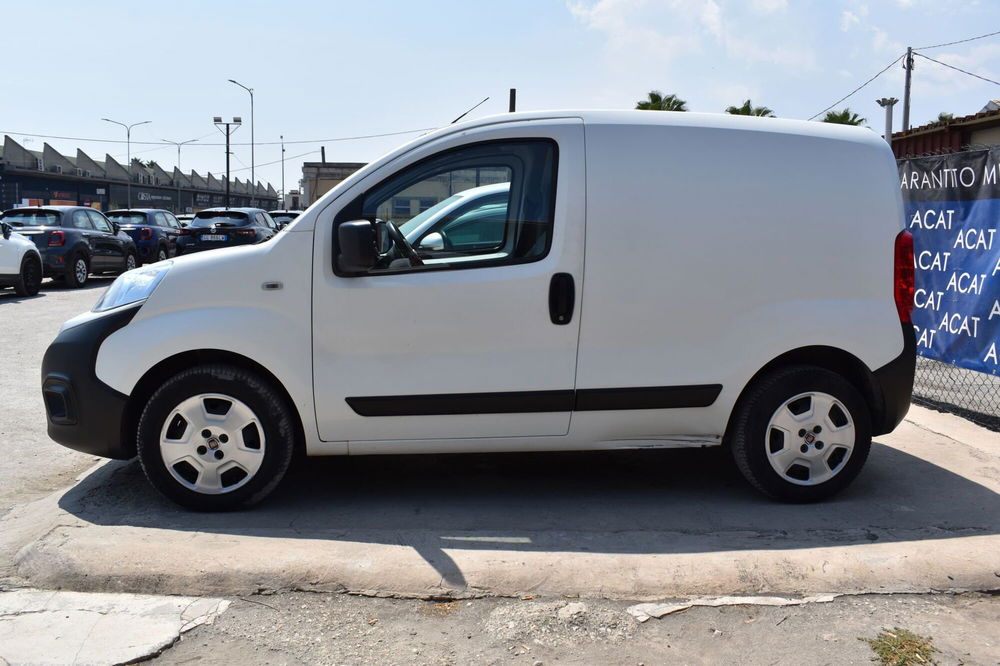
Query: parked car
[[469, 221], [631, 301], [74, 241], [185, 219], [225, 227], [20, 262], [154, 231], [283, 217]]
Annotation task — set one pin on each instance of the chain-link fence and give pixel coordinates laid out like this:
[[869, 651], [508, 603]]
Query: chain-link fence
[[969, 394]]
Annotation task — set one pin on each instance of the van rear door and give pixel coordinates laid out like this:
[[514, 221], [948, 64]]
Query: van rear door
[[465, 345]]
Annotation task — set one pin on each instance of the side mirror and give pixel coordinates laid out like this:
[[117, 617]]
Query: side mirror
[[432, 241], [116, 227], [356, 240], [6, 230]]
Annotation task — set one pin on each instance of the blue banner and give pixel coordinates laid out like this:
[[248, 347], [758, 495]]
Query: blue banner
[[952, 205]]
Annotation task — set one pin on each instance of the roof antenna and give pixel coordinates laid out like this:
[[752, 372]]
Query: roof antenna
[[468, 112]]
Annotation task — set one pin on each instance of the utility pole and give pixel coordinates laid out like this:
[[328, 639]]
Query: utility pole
[[513, 100], [887, 104], [230, 128], [253, 177], [284, 197], [179, 144], [128, 150], [908, 66]]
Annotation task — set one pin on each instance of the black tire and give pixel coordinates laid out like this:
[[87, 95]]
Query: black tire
[[161, 253], [258, 394], [30, 279], [129, 256], [74, 280], [750, 441]]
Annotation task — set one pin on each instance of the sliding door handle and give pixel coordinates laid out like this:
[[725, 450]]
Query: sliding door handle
[[562, 294]]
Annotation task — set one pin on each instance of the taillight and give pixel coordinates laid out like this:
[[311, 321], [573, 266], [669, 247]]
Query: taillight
[[246, 232], [183, 231], [903, 276], [145, 233], [57, 239]]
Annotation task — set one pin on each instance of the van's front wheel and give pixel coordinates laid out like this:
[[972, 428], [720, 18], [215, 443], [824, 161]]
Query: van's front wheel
[[215, 438], [801, 434]]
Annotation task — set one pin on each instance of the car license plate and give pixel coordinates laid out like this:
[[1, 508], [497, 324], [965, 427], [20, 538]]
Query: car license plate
[[214, 237]]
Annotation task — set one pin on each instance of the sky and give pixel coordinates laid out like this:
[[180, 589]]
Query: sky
[[329, 70]]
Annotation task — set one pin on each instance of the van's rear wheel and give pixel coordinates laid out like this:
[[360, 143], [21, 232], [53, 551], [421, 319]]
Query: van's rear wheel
[[215, 438], [801, 434]]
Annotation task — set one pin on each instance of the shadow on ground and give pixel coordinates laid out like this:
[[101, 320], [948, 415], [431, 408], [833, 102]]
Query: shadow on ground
[[666, 501]]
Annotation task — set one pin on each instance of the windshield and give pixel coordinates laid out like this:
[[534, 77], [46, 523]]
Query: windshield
[[415, 221], [220, 218], [32, 218], [284, 217], [127, 218]]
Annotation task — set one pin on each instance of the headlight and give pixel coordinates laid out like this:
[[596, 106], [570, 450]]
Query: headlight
[[133, 286]]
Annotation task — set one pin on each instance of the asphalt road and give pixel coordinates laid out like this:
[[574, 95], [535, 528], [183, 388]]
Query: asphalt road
[[32, 464]]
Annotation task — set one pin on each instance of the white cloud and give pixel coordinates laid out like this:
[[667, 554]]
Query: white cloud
[[769, 6], [849, 19]]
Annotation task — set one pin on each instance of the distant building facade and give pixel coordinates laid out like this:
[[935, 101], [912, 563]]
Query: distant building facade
[[48, 178], [318, 178], [953, 135]]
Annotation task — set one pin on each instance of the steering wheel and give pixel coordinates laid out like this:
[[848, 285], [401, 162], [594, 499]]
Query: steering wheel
[[399, 241]]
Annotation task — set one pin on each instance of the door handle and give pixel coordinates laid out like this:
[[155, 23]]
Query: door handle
[[562, 295]]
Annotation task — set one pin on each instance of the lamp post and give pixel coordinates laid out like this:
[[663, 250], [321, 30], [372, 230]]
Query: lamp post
[[230, 128], [887, 104], [253, 177], [179, 144], [284, 197], [128, 151]]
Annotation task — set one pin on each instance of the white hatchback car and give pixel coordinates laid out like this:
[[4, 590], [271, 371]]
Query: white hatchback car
[[20, 262]]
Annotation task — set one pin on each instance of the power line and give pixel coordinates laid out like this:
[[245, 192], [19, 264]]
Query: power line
[[850, 94], [961, 41], [293, 157], [199, 145], [957, 69]]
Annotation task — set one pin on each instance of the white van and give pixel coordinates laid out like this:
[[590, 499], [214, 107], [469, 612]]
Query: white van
[[654, 280]]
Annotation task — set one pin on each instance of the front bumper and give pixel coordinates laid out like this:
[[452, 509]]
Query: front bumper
[[83, 412]]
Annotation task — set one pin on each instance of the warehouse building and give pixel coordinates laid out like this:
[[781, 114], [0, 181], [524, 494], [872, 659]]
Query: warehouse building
[[48, 178]]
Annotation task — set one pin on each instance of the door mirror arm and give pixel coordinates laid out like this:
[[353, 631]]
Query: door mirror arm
[[6, 230]]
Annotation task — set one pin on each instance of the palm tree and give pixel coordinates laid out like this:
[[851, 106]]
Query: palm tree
[[845, 117], [659, 102], [749, 109]]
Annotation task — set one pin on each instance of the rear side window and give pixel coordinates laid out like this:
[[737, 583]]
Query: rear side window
[[480, 205], [220, 218], [79, 220], [31, 218]]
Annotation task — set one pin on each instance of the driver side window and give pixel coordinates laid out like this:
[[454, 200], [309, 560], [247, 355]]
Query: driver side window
[[480, 205]]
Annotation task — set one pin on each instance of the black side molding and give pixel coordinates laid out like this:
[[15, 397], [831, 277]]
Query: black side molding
[[645, 397]]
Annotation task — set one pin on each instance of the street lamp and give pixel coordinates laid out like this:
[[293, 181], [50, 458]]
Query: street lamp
[[284, 195], [128, 149], [887, 104], [230, 128], [179, 144], [253, 177]]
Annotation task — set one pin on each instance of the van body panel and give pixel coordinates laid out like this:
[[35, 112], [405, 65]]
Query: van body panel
[[215, 301], [698, 274], [460, 332]]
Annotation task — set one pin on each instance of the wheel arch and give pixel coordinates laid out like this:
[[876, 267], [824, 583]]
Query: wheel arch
[[841, 362], [168, 367]]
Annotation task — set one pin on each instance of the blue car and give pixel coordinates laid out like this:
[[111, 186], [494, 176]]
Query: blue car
[[154, 231], [225, 227], [74, 241]]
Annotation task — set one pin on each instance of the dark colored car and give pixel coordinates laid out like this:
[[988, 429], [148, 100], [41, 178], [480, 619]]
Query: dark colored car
[[74, 241], [226, 227], [284, 217], [154, 231]]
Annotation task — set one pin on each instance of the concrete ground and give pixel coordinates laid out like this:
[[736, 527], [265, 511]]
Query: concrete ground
[[609, 528]]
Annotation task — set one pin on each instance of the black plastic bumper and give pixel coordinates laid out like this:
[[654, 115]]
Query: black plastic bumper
[[895, 382], [83, 412]]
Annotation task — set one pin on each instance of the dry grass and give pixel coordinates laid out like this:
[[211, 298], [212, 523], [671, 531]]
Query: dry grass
[[901, 647]]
